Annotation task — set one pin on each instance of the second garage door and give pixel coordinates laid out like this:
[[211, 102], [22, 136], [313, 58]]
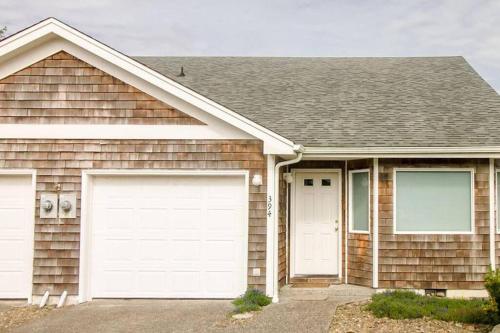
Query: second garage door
[[168, 236]]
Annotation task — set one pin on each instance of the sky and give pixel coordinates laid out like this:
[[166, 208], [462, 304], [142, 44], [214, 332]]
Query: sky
[[334, 28]]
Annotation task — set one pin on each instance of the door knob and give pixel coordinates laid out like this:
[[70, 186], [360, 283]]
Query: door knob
[[336, 225]]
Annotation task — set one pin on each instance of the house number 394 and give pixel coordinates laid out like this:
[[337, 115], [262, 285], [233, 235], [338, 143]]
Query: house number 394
[[269, 206]]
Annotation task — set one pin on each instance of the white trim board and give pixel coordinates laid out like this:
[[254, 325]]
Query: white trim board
[[492, 178], [445, 169], [104, 131], [86, 202], [51, 35], [31, 249], [318, 152], [495, 205], [351, 230]]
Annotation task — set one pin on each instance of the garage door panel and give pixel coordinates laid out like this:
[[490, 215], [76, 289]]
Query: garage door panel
[[16, 235], [118, 250], [220, 283], [11, 220], [186, 250], [151, 282], [116, 220], [183, 237], [154, 220], [186, 283], [221, 250], [152, 251], [115, 283], [12, 251], [11, 285], [186, 218], [221, 219]]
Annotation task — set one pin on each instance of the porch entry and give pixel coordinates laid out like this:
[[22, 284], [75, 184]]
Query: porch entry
[[315, 223]]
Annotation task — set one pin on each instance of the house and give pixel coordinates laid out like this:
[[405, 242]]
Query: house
[[197, 177]]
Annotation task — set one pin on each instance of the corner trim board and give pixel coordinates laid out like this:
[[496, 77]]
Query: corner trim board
[[375, 224], [492, 211]]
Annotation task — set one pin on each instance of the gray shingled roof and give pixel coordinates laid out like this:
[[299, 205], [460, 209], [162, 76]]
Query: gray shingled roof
[[350, 102]]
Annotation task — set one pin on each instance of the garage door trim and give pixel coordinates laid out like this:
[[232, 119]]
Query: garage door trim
[[84, 294], [31, 235]]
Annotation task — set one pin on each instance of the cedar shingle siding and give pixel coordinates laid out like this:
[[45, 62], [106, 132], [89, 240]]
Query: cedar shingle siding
[[62, 161], [62, 89], [433, 261]]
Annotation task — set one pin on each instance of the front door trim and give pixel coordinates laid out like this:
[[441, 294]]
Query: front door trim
[[338, 171]]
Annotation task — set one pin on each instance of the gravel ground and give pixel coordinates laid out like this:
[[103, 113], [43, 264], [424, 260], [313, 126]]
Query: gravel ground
[[18, 315], [352, 318]]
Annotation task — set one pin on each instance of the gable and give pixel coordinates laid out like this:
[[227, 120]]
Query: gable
[[51, 36], [62, 89]]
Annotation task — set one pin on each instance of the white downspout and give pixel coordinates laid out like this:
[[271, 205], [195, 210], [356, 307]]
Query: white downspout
[[491, 187], [346, 219], [299, 149]]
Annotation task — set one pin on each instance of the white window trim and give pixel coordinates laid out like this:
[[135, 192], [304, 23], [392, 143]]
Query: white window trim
[[351, 228], [497, 225], [394, 209]]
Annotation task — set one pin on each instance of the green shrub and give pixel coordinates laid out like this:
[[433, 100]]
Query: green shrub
[[408, 305], [492, 284], [251, 300]]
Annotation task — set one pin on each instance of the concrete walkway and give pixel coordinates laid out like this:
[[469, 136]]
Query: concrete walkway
[[299, 310]]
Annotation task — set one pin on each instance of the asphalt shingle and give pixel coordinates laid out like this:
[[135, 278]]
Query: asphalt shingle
[[350, 102]]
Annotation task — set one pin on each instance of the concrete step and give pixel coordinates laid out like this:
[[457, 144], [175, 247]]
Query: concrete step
[[320, 281], [310, 285]]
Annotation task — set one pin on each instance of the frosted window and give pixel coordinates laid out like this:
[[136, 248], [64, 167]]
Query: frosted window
[[360, 198], [433, 201], [498, 200]]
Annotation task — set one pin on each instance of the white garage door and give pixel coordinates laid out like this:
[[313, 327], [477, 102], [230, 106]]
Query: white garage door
[[168, 236], [16, 235]]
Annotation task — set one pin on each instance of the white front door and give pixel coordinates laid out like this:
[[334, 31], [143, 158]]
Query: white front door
[[315, 226], [168, 236]]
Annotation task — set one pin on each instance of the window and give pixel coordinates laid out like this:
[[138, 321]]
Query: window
[[359, 201], [326, 182], [433, 201], [498, 198], [308, 182]]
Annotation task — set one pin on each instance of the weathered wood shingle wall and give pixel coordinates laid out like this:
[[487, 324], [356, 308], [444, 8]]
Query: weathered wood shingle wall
[[63, 89], [433, 261], [57, 247]]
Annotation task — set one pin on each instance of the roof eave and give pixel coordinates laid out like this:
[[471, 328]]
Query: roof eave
[[401, 152]]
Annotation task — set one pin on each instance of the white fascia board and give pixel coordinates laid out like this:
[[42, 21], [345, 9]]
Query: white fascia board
[[273, 143], [319, 153]]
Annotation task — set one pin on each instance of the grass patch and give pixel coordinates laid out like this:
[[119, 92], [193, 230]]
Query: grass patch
[[251, 300], [408, 305]]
